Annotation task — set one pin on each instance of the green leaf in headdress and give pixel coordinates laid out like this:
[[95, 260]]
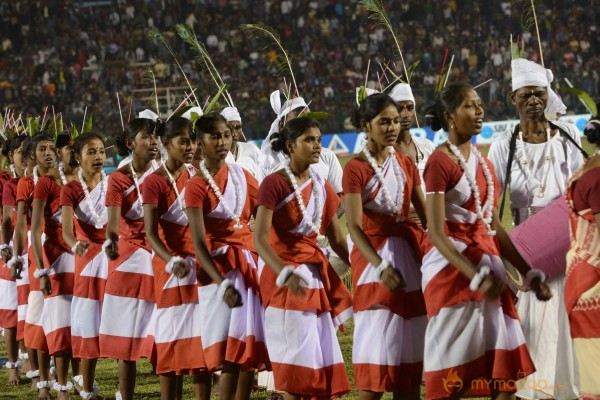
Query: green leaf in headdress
[[515, 52], [410, 71], [362, 94], [316, 115], [179, 112], [214, 102], [586, 99], [442, 79], [88, 124], [32, 126], [74, 132]]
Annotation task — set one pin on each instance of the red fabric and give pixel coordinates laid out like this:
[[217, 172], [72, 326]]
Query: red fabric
[[387, 378], [177, 238], [126, 348], [358, 171], [72, 195], [295, 249], [586, 191], [184, 352], [48, 191], [472, 234], [220, 232], [503, 365], [131, 231], [25, 190], [9, 192], [324, 383]]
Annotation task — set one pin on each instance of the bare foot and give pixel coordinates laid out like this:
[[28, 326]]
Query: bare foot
[[62, 396], [13, 377], [44, 394]]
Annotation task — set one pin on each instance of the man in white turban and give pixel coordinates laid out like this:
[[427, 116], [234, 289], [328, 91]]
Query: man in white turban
[[246, 155], [536, 160]]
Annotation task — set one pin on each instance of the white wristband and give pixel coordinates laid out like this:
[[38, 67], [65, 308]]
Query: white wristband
[[171, 263], [226, 284], [39, 272], [77, 244], [533, 274], [106, 243], [383, 265], [14, 260], [5, 246], [479, 277], [284, 275]]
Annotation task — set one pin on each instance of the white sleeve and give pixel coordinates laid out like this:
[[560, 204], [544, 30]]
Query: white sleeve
[[334, 177], [498, 155]]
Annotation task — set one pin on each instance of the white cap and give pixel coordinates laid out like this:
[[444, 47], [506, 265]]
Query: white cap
[[368, 90], [231, 114], [528, 73], [402, 92], [148, 114], [188, 114]]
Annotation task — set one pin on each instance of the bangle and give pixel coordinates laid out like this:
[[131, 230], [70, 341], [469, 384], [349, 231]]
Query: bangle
[[76, 245], [479, 278], [15, 259], [171, 263], [45, 384], [284, 275], [39, 272], [63, 388], [533, 274], [226, 284], [106, 243], [16, 364], [33, 374], [383, 265]]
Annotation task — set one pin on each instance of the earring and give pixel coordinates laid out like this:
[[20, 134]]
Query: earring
[[451, 126]]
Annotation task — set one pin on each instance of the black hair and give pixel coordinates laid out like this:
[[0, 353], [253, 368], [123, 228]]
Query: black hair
[[32, 142], [208, 122], [131, 130], [592, 130], [80, 142], [446, 101], [62, 139], [14, 144], [370, 108], [292, 131], [174, 127]]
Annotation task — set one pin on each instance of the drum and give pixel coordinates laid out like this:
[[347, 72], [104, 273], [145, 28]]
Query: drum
[[543, 241]]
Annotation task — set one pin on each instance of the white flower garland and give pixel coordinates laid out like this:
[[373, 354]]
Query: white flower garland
[[13, 169], [95, 215], [547, 164], [36, 175], [136, 181], [61, 172], [239, 203], [484, 214], [395, 206], [315, 227], [174, 184]]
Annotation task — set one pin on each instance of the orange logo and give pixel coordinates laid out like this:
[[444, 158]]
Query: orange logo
[[452, 383]]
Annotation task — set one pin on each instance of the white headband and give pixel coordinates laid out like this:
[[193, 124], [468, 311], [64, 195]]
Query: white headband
[[368, 90], [188, 114], [148, 114], [402, 92], [231, 114], [528, 73]]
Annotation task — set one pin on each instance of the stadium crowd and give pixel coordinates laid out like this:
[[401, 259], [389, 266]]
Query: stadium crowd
[[77, 54]]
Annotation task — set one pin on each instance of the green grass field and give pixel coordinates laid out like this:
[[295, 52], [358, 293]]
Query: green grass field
[[147, 383]]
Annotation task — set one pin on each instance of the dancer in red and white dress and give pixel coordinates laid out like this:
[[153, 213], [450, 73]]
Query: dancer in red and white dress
[[41, 155], [12, 318], [220, 202], [129, 294], [55, 263], [83, 206], [389, 310], [178, 321], [474, 345], [304, 298]]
